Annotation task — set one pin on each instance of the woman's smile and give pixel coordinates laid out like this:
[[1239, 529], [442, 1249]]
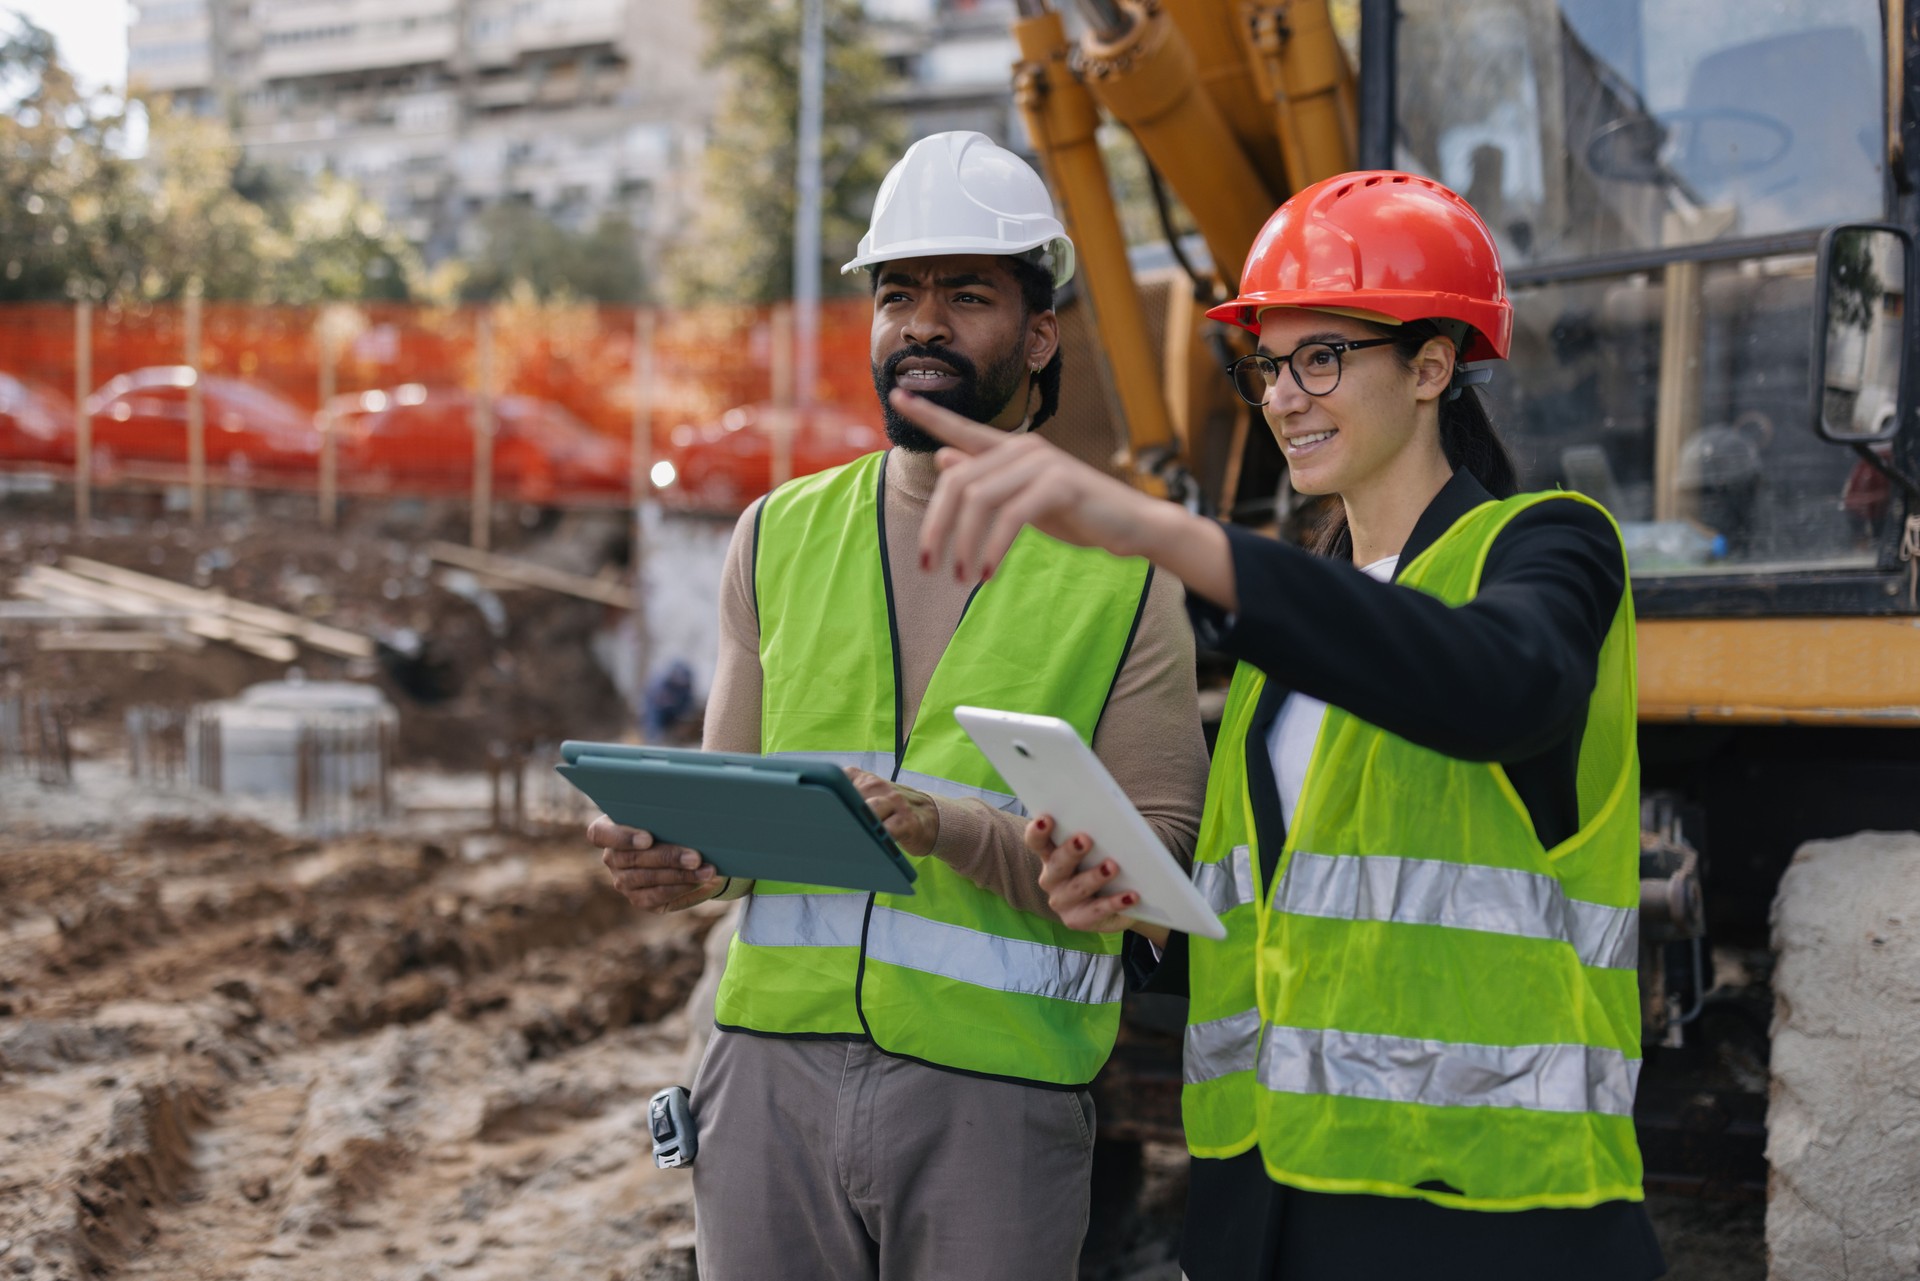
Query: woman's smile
[[1305, 443]]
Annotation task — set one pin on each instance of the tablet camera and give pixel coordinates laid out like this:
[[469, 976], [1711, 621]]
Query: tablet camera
[[1021, 748]]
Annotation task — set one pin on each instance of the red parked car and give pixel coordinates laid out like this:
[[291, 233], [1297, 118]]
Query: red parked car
[[414, 438], [724, 465], [36, 423], [142, 417]]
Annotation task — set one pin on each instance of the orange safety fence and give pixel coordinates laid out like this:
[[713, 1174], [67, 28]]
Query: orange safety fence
[[562, 379]]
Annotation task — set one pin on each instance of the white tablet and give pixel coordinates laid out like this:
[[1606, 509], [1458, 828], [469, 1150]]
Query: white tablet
[[1053, 772]]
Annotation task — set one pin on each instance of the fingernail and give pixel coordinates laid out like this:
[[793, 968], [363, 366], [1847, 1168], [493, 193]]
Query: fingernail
[[689, 859], [959, 572], [986, 573], [1108, 867], [1042, 824], [704, 874], [926, 562], [1128, 900], [640, 840]]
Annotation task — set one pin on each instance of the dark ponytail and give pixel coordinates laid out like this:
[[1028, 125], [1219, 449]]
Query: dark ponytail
[[1467, 438]]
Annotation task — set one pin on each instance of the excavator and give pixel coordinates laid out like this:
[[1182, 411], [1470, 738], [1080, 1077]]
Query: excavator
[[1707, 212]]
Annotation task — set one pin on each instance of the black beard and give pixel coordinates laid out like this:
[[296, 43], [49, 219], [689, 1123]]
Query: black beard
[[977, 397]]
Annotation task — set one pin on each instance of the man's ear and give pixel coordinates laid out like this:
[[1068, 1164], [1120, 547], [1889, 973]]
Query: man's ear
[[1433, 367], [1043, 340]]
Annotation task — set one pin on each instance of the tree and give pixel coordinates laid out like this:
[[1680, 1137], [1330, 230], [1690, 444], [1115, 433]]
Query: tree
[[344, 249], [70, 198], [524, 246], [91, 221], [742, 248]]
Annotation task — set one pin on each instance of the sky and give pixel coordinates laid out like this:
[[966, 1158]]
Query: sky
[[92, 35]]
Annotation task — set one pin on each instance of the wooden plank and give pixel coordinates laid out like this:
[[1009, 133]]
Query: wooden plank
[[267, 644], [45, 583], [118, 642], [34, 611], [321, 636], [527, 574], [278, 649]]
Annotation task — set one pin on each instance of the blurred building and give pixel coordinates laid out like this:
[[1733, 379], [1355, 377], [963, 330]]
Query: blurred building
[[954, 59], [440, 108]]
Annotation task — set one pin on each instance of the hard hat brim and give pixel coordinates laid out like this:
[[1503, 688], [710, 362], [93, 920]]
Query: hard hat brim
[[1492, 323], [1061, 247]]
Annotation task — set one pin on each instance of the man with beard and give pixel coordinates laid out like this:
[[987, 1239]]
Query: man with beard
[[896, 1088]]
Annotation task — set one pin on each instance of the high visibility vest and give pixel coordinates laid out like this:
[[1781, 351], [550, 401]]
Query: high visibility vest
[[952, 974], [1427, 1003]]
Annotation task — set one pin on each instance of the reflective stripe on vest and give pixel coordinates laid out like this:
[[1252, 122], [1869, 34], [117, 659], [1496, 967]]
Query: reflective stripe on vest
[[1220, 1047], [1228, 884], [1463, 896], [1398, 1069], [932, 947], [803, 920], [987, 960]]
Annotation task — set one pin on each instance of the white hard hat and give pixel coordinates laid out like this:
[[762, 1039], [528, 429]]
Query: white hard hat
[[958, 193]]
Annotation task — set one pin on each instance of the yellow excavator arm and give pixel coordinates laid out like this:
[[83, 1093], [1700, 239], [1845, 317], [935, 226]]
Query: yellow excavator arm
[[1236, 104]]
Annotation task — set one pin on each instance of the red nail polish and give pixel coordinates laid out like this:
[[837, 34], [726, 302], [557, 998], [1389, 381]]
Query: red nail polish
[[986, 573], [926, 562]]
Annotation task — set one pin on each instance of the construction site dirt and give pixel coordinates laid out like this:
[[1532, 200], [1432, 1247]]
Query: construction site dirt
[[227, 1053], [474, 666]]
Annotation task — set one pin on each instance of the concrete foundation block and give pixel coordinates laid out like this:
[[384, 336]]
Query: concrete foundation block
[[1843, 1116]]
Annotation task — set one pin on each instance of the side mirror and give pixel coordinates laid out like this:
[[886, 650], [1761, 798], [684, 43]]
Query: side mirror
[[1861, 332]]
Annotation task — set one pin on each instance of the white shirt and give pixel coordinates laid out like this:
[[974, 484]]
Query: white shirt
[[1291, 737]]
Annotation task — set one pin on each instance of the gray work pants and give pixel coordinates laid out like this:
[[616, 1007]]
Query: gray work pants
[[830, 1161]]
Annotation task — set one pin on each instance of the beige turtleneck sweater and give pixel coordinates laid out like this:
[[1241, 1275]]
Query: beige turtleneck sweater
[[1149, 736]]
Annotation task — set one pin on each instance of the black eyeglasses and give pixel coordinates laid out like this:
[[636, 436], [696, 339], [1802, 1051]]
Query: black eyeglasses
[[1315, 367]]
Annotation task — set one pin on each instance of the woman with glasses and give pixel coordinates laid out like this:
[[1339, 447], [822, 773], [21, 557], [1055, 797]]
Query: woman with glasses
[[1415, 1052]]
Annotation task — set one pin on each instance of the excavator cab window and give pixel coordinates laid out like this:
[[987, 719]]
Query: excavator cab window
[[1657, 175]]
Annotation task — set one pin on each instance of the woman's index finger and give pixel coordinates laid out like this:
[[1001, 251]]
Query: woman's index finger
[[945, 425]]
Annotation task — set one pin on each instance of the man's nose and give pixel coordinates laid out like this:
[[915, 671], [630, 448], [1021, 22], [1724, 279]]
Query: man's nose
[[927, 325]]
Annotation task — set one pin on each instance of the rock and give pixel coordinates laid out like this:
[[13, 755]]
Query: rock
[[408, 999], [1843, 1118], [670, 1260]]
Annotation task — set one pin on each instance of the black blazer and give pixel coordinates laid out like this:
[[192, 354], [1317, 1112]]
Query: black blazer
[[1505, 677]]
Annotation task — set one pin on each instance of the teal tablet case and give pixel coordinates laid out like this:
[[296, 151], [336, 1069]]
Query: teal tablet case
[[779, 819]]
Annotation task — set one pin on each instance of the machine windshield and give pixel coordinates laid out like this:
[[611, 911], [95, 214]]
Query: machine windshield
[[1676, 393], [1590, 127]]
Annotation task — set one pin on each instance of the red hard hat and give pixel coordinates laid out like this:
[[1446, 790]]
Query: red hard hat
[[1392, 243]]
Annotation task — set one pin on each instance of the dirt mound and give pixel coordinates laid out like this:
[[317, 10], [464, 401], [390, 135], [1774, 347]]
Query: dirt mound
[[226, 1053]]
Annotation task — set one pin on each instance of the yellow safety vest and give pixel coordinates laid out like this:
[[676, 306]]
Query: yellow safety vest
[[952, 974], [1428, 1003]]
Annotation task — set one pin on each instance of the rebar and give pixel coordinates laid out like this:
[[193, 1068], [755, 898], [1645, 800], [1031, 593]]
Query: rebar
[[33, 738], [157, 743]]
